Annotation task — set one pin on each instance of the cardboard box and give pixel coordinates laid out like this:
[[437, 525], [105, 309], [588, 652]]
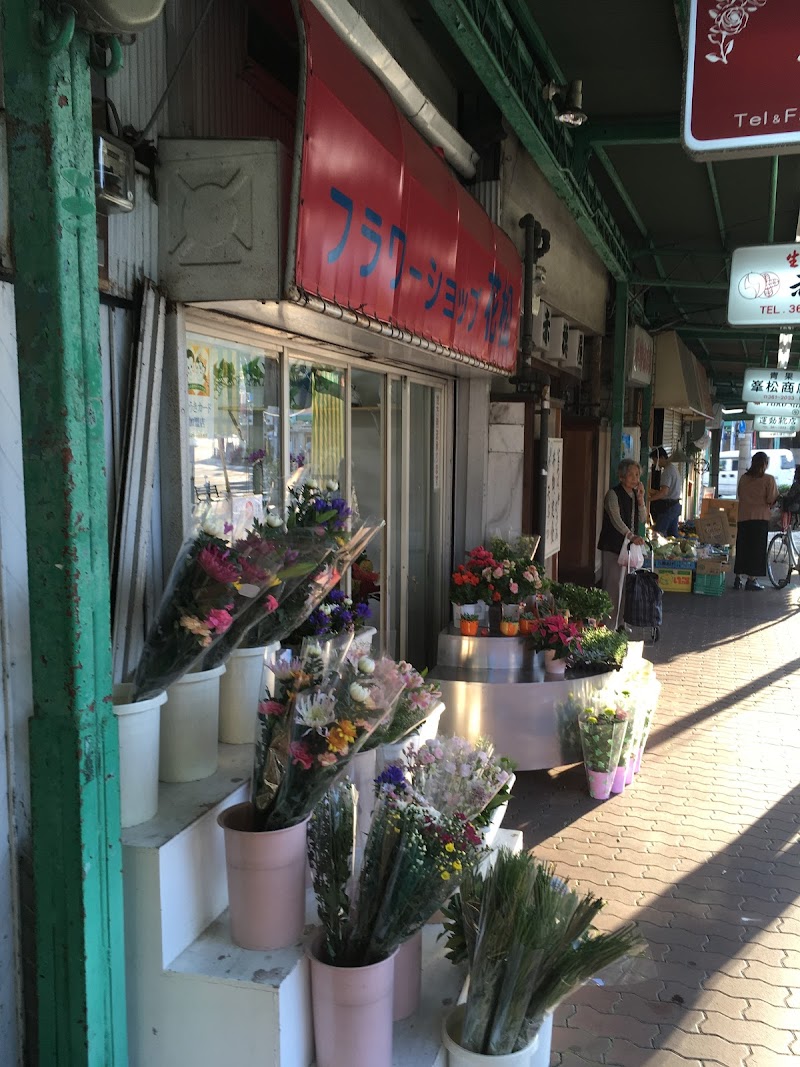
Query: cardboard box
[[714, 529], [730, 507], [713, 566], [675, 581]]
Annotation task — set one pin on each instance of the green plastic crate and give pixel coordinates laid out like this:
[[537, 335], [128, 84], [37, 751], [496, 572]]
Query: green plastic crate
[[709, 584]]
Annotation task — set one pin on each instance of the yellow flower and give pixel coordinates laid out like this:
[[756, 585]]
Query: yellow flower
[[445, 876], [341, 736], [449, 847], [456, 865]]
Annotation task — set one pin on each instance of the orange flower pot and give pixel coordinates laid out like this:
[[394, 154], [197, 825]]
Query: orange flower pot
[[469, 629], [509, 627], [526, 626]]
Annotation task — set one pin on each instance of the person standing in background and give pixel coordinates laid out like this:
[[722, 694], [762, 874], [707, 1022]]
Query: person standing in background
[[667, 497], [757, 493], [623, 512]]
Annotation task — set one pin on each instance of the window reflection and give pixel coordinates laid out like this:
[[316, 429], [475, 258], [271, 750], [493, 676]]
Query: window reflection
[[234, 423], [316, 421]]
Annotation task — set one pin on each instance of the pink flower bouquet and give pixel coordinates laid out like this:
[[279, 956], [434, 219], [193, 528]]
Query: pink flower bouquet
[[555, 633]]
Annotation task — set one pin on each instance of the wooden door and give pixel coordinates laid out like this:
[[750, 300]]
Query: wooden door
[[579, 527]]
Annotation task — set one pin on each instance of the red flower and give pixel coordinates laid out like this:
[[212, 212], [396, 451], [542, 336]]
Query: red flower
[[270, 707], [216, 564], [219, 620], [270, 604], [301, 755]]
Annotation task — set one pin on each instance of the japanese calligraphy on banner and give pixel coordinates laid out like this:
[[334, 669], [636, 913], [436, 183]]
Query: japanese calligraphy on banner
[[768, 384], [384, 228], [765, 286], [788, 410], [776, 424], [741, 78]]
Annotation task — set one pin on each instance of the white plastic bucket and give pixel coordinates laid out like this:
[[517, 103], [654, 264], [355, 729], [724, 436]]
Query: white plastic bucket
[[190, 727], [240, 689], [138, 729]]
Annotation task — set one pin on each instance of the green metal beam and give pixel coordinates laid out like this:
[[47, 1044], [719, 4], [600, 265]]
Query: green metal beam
[[494, 46], [618, 378], [656, 129], [531, 32], [639, 253], [712, 182], [679, 283], [74, 773], [698, 331]]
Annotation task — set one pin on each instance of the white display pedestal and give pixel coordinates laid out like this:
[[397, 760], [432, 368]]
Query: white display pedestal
[[193, 996]]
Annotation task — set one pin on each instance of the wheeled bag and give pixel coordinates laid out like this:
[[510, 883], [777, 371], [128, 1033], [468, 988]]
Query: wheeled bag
[[643, 601]]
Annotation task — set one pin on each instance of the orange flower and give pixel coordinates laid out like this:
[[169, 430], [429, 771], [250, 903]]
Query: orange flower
[[341, 736]]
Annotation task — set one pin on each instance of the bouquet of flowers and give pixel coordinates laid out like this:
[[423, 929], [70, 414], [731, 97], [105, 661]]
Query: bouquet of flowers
[[314, 512], [325, 708], [209, 597], [448, 774], [603, 732], [417, 702], [554, 633], [337, 613], [413, 860], [287, 564], [529, 943]]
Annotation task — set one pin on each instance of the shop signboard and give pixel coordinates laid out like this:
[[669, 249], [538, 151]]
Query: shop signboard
[[740, 94], [776, 424], [641, 355], [396, 238], [765, 286], [789, 410], [772, 385]]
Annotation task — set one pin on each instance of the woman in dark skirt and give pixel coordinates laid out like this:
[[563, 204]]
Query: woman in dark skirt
[[757, 493]]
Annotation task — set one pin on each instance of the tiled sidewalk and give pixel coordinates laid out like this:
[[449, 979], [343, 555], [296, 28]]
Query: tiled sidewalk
[[702, 851]]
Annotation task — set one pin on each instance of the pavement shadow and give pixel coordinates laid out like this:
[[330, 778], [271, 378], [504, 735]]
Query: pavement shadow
[[731, 897]]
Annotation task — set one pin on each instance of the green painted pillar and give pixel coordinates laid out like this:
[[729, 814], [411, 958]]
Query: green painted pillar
[[644, 453], [618, 380], [73, 742]]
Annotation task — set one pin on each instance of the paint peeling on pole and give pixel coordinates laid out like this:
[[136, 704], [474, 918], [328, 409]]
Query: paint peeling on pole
[[73, 744]]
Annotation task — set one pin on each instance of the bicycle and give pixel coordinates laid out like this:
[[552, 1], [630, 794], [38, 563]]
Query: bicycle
[[782, 554]]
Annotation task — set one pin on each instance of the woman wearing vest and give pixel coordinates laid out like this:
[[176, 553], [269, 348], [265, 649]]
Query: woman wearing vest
[[623, 511]]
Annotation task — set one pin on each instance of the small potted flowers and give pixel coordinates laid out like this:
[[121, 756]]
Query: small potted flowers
[[603, 733], [557, 638], [468, 624], [465, 590], [526, 622]]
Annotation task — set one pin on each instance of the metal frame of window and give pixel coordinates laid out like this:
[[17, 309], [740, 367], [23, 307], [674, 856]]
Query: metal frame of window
[[226, 329]]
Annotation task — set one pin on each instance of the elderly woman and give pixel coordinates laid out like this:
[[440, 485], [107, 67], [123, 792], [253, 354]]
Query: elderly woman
[[623, 511]]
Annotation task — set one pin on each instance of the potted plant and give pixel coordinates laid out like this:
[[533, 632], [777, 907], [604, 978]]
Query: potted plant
[[468, 624], [557, 637], [583, 603], [601, 650], [526, 621], [465, 590], [528, 942], [602, 732], [413, 860]]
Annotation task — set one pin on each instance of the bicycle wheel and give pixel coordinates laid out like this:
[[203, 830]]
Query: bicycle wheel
[[779, 561]]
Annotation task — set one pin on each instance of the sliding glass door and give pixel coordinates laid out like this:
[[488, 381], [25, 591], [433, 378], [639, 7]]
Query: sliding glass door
[[271, 416]]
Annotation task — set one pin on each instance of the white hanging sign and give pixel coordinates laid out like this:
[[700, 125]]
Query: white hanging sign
[[775, 424], [765, 286], [772, 385], [788, 410]]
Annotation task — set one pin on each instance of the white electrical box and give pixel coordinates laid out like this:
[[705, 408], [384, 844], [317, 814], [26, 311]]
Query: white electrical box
[[221, 217], [575, 350], [557, 350], [541, 327]]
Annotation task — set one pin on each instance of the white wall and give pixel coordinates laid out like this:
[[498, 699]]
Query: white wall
[[15, 686], [577, 280], [504, 483]]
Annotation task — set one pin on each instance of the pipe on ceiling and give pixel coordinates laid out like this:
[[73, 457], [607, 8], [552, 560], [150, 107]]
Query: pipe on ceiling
[[418, 109]]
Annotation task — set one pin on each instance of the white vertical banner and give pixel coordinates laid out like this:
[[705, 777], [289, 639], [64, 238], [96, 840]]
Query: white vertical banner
[[552, 531]]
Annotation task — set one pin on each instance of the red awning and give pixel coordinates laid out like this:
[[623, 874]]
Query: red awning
[[384, 227]]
